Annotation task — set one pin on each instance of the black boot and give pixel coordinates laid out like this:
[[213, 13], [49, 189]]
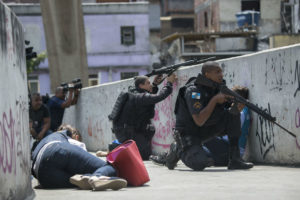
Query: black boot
[[173, 156], [235, 161], [159, 159]]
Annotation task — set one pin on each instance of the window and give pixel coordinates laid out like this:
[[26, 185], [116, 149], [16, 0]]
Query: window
[[250, 5], [126, 75], [127, 35], [93, 79], [212, 18], [33, 84], [205, 19], [183, 23]]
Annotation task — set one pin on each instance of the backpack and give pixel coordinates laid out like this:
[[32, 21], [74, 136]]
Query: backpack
[[118, 107]]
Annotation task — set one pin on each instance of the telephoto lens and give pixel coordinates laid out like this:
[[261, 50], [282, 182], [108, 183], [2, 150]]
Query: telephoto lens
[[65, 87], [77, 83]]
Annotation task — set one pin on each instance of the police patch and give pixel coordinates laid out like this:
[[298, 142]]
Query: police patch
[[196, 95], [197, 105]]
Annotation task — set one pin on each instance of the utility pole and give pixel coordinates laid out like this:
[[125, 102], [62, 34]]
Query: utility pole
[[65, 41]]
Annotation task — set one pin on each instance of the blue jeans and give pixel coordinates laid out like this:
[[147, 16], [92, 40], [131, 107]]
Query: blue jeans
[[62, 160]]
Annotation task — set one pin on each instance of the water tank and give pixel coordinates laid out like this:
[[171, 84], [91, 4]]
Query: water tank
[[247, 18]]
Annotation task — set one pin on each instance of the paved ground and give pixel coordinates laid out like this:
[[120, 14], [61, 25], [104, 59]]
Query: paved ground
[[261, 182]]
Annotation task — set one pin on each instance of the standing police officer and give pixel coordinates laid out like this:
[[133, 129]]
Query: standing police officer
[[134, 120], [201, 115]]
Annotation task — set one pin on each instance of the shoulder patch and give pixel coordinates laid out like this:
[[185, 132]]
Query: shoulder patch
[[196, 95], [197, 105]]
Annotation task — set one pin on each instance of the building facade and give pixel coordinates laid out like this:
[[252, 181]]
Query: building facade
[[117, 41]]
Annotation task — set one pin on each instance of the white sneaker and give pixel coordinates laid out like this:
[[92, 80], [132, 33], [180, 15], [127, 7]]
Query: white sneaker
[[101, 153], [104, 183], [81, 181]]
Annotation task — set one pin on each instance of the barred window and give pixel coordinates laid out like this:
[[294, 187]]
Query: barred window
[[127, 35]]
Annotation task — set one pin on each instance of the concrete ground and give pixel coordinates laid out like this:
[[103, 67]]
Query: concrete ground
[[261, 182]]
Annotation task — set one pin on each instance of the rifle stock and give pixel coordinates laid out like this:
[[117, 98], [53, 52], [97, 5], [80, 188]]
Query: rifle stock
[[202, 80]]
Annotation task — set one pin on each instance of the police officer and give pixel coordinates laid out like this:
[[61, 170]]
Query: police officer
[[201, 115], [134, 119]]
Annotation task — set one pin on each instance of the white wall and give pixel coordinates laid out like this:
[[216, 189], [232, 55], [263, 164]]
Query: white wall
[[15, 179], [90, 113], [272, 76]]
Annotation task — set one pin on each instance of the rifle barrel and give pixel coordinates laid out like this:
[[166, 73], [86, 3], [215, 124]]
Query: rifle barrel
[[174, 67], [289, 132]]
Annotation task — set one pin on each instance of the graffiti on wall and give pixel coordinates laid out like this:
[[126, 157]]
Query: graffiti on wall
[[164, 120], [12, 40], [276, 71], [265, 134], [7, 148], [297, 113], [297, 118], [164, 123], [13, 140], [297, 78], [96, 131], [18, 44], [3, 21], [22, 134]]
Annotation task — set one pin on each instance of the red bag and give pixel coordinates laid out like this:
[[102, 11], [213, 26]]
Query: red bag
[[128, 162]]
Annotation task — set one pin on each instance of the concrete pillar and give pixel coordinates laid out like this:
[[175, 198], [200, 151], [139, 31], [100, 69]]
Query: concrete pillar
[[65, 39]]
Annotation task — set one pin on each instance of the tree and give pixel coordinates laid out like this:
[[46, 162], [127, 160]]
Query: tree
[[33, 63]]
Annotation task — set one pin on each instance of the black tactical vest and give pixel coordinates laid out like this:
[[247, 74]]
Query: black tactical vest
[[184, 119], [133, 114]]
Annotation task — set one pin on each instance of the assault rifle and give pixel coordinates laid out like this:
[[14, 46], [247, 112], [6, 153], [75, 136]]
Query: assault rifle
[[202, 80], [170, 69]]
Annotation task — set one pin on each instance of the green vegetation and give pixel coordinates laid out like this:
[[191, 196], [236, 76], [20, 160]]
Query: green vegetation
[[33, 63]]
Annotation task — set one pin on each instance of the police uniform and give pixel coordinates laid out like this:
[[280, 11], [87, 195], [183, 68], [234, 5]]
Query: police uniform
[[134, 121], [192, 101]]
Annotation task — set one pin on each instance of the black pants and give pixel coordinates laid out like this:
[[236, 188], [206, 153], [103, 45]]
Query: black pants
[[195, 156], [142, 138]]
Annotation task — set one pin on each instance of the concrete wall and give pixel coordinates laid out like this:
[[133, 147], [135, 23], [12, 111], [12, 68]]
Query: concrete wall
[[170, 7], [228, 9], [230, 44], [15, 179], [283, 40], [212, 10], [270, 20], [272, 76]]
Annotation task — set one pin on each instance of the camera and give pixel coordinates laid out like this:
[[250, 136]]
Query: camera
[[29, 51], [65, 87], [75, 84]]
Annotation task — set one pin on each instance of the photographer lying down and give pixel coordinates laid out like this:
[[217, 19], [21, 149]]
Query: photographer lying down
[[59, 102], [59, 161]]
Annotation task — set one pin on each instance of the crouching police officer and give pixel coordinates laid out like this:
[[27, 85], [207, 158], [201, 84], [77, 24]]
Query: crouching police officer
[[134, 109], [201, 115]]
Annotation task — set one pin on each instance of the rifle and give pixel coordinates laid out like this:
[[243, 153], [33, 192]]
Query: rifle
[[170, 69], [202, 80]]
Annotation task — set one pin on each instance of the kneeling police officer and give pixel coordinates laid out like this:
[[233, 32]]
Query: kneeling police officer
[[134, 110], [202, 114]]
